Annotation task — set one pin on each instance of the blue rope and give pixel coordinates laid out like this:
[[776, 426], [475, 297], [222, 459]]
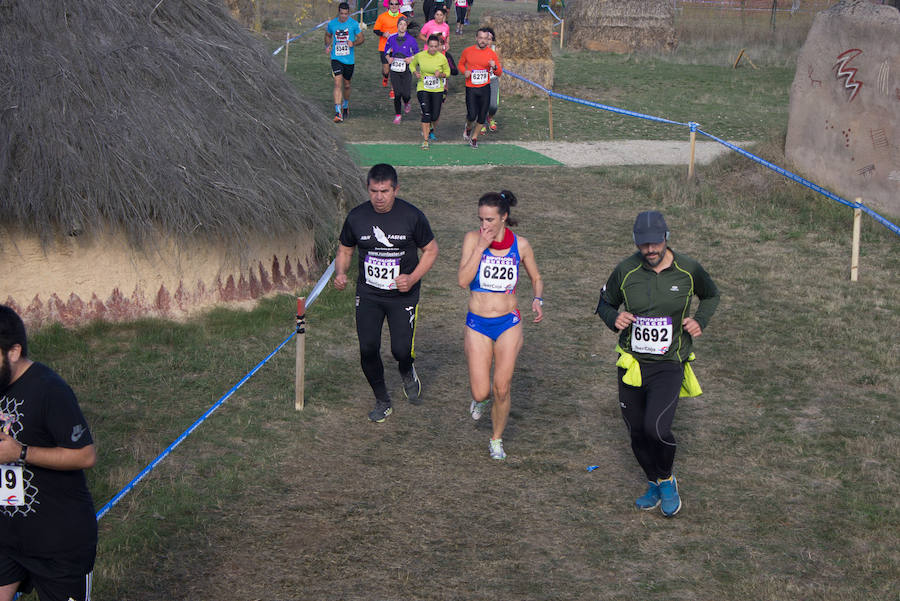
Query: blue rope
[[805, 182], [319, 26], [323, 280], [112, 502], [604, 107], [695, 127]]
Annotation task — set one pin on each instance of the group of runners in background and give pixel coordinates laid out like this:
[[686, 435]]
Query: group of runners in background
[[425, 56]]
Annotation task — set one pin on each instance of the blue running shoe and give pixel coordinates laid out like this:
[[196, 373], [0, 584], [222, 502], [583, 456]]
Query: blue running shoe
[[649, 499], [670, 502], [431, 136]]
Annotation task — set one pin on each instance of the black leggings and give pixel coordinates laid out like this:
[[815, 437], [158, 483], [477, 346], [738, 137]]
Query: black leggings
[[477, 102], [401, 84], [649, 411], [431, 105], [401, 313]]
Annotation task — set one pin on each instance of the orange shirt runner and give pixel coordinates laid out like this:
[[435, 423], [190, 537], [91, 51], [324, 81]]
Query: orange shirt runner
[[387, 24], [477, 61]]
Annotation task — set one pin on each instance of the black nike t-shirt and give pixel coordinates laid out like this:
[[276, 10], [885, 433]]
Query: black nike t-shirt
[[388, 244], [57, 512]]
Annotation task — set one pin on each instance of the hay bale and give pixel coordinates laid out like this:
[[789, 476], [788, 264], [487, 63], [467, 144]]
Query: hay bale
[[521, 36], [537, 70], [524, 45], [621, 24]]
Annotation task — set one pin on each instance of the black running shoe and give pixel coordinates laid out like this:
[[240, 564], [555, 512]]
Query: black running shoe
[[381, 411], [412, 387]]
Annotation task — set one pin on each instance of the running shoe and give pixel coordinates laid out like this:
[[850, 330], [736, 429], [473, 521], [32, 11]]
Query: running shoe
[[425, 145], [476, 410], [670, 502], [483, 130], [338, 117], [412, 387], [397, 119], [432, 136], [467, 133], [493, 125], [391, 94], [466, 22], [497, 451], [405, 107], [384, 82], [649, 499], [473, 143], [381, 411], [345, 112]]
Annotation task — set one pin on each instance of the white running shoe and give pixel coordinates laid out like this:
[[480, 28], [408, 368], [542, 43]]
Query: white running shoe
[[497, 451], [476, 410]]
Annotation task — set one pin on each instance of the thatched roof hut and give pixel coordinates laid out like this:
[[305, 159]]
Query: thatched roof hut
[[156, 140], [621, 25]]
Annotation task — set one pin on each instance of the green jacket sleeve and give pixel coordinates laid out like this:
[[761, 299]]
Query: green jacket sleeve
[[610, 300], [708, 293]]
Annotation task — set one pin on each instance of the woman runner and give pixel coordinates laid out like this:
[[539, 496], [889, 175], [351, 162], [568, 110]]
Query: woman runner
[[431, 68], [489, 268], [399, 50]]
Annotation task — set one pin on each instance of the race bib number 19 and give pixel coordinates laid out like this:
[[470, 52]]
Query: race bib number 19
[[652, 335], [13, 490], [381, 273]]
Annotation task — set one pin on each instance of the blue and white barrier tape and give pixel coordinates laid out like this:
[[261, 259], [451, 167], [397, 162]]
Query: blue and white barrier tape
[[319, 26], [604, 107], [805, 182], [317, 289], [695, 127]]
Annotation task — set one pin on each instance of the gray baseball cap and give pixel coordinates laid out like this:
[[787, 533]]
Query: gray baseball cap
[[650, 228]]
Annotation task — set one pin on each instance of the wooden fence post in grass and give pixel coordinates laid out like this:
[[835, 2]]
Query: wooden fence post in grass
[[562, 32], [300, 376], [693, 149], [854, 251], [550, 113], [287, 46]]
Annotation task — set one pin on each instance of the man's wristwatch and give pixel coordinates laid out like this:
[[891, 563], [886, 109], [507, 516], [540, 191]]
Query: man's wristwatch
[[539, 300], [23, 453]]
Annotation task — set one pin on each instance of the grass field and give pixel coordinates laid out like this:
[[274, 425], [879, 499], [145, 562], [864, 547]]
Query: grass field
[[787, 463]]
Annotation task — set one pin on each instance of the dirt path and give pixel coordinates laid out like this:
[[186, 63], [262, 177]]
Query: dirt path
[[626, 152]]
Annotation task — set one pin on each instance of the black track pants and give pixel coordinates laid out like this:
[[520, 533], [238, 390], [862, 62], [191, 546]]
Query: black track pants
[[401, 313], [649, 411]]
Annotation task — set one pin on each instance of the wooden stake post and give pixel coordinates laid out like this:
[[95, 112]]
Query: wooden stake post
[[287, 45], [854, 251], [693, 150], [300, 377], [550, 114], [562, 32]]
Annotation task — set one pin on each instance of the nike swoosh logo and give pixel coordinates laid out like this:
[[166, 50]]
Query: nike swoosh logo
[[77, 433]]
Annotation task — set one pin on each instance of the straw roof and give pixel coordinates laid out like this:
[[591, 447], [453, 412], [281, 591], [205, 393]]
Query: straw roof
[[160, 117]]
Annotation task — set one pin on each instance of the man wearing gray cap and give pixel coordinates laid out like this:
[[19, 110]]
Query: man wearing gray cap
[[655, 287]]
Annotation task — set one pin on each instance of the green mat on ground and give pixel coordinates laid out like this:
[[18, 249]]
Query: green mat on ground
[[446, 153]]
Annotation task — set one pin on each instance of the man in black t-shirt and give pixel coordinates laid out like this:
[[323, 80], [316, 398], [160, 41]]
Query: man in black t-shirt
[[388, 233], [48, 529]]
